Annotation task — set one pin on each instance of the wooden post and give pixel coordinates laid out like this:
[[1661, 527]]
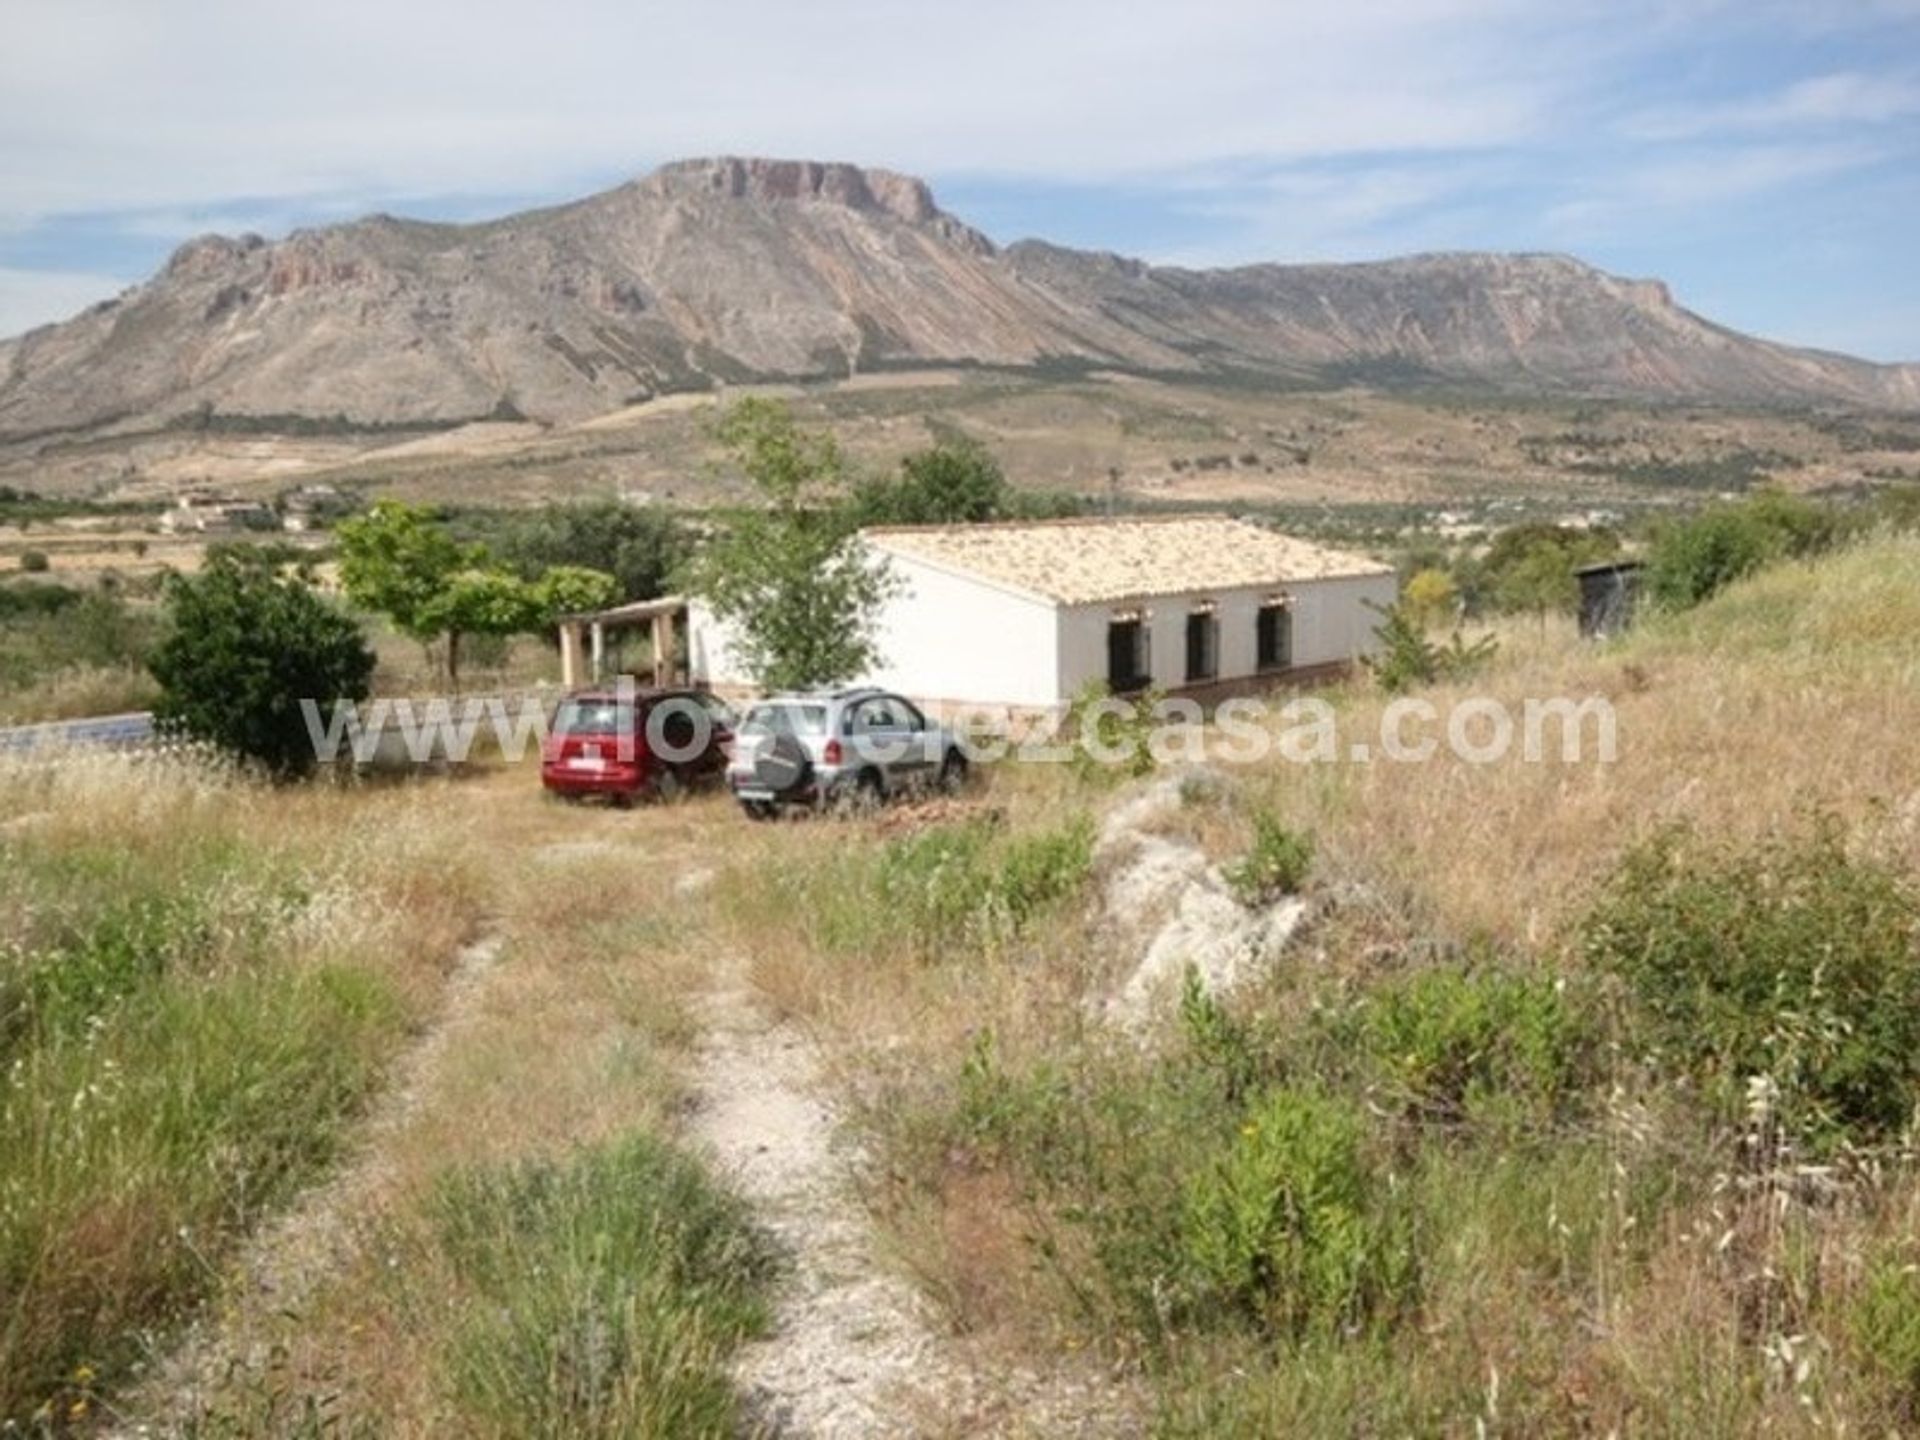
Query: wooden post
[[599, 633], [663, 648], [572, 661]]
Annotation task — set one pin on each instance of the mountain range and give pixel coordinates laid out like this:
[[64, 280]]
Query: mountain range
[[732, 270]]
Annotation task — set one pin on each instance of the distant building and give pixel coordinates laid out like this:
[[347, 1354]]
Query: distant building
[[1025, 615], [202, 512], [1609, 596], [311, 507]]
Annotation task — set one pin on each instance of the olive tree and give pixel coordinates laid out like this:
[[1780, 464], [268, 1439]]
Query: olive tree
[[801, 595]]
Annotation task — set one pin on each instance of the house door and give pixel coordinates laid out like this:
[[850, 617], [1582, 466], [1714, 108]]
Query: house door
[[1126, 656]]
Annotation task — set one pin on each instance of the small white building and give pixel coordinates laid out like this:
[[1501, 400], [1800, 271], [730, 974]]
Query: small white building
[[1025, 615]]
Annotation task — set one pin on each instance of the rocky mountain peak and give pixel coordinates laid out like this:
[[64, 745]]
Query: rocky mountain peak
[[906, 198]]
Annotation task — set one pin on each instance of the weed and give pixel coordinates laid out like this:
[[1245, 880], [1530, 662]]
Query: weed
[[604, 1294], [1275, 864], [1791, 959]]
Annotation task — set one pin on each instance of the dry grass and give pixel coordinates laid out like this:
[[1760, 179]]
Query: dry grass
[[1628, 1273]]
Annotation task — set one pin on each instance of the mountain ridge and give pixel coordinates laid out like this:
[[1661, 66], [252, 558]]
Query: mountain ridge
[[734, 269]]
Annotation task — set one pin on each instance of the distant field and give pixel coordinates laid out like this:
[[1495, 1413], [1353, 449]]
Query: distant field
[[1171, 442]]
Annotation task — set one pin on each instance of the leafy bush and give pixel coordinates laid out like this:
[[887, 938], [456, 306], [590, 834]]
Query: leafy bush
[[1099, 725], [956, 884], [605, 1292], [1407, 658], [1456, 1044], [1793, 959], [956, 482], [1885, 1320], [245, 647], [1291, 1227], [35, 562], [1696, 557], [639, 546], [1275, 864]]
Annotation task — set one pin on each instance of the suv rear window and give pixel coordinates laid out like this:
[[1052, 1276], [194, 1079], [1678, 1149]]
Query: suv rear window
[[786, 720], [593, 717]]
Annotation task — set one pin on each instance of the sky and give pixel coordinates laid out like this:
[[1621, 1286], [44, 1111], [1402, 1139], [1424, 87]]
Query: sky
[[1763, 157]]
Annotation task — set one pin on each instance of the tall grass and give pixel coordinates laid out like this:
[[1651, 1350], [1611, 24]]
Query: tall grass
[[199, 986], [598, 1294]]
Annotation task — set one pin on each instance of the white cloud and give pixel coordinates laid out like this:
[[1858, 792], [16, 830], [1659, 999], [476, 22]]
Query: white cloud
[[1846, 98], [125, 105], [1697, 180], [36, 297]]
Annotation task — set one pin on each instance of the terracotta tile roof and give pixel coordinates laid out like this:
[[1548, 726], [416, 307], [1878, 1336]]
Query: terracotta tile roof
[[1079, 562]]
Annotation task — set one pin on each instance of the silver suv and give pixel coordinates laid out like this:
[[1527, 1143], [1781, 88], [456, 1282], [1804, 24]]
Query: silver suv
[[836, 748]]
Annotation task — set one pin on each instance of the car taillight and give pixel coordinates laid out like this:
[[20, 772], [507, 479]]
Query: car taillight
[[831, 754]]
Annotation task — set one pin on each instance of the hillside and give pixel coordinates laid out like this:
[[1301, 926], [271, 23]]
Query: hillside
[[730, 270]]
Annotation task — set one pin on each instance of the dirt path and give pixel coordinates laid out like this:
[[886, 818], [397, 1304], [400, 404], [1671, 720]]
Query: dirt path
[[853, 1352], [283, 1266]]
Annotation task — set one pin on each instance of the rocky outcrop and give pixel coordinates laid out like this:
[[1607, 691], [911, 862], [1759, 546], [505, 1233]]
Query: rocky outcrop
[[735, 268]]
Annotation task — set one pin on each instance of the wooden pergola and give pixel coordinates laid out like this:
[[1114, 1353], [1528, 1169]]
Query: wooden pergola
[[583, 639]]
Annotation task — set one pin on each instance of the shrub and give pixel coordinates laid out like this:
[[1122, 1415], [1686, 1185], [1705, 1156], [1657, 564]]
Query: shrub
[[35, 562], [1275, 864], [1885, 1321], [245, 648], [1696, 557], [1792, 959], [1456, 1044], [1100, 725], [1290, 1227], [1407, 658], [605, 1292]]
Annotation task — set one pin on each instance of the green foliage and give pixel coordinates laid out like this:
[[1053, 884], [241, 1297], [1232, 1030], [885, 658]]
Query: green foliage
[[958, 482], [1885, 1321], [1699, 555], [801, 597], [640, 546], [572, 590], [1474, 1044], [1108, 735], [397, 560], [1792, 960], [137, 1145], [1275, 864], [34, 562], [1292, 1227], [244, 647], [401, 561], [605, 1291], [1529, 567], [1407, 658], [1431, 595], [941, 893]]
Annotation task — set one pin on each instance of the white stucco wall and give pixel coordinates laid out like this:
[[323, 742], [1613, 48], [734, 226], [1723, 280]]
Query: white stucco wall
[[1331, 623], [943, 638], [957, 639], [953, 639]]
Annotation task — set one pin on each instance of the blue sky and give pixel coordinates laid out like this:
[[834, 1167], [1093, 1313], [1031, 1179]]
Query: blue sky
[[1762, 157]]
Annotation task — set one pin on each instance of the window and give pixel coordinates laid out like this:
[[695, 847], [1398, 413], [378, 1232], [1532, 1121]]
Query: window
[[1203, 643], [1273, 636], [783, 719], [1127, 658], [882, 713]]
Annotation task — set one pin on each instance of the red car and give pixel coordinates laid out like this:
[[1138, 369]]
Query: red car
[[640, 742]]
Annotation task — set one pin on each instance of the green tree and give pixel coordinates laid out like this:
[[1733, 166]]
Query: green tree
[[639, 546], [1541, 580], [397, 560], [957, 482], [244, 646], [1432, 597], [572, 589], [799, 592]]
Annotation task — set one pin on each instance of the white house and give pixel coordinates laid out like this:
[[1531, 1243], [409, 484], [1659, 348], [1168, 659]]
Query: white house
[[1025, 615]]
